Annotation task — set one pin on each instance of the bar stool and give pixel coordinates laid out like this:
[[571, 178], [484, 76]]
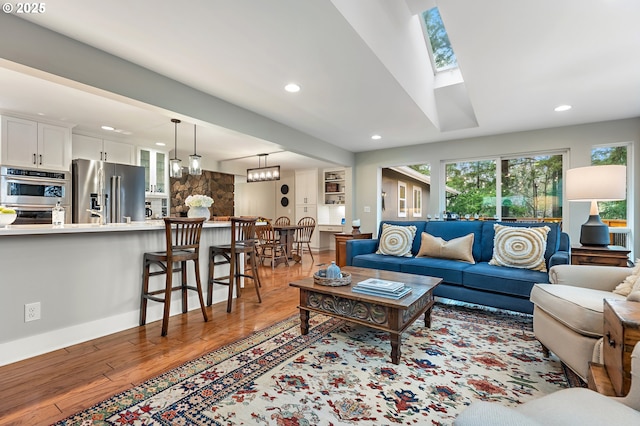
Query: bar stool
[[243, 241], [182, 244]]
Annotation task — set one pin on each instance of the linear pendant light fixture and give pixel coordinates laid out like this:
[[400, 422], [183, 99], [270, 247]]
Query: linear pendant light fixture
[[263, 173], [175, 164], [195, 163]]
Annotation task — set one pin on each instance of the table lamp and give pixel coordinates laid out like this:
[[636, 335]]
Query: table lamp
[[596, 183]]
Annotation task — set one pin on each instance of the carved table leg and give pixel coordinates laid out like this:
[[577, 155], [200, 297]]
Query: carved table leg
[[427, 317], [395, 348], [304, 321]]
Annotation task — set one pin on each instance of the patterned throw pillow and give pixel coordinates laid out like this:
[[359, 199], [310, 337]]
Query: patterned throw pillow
[[634, 294], [396, 240], [626, 286], [520, 247], [456, 249]]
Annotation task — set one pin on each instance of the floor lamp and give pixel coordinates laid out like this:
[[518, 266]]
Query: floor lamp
[[596, 183]]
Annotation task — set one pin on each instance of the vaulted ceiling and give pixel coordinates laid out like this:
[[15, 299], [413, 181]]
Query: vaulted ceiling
[[362, 66]]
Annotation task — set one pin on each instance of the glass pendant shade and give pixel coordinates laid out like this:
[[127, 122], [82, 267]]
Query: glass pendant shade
[[195, 164], [175, 168], [175, 164], [195, 160]]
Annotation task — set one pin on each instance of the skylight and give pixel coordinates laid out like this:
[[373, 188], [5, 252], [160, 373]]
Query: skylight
[[442, 56]]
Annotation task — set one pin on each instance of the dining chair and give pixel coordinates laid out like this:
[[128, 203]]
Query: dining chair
[[243, 241], [270, 245], [282, 221], [182, 236], [303, 235]]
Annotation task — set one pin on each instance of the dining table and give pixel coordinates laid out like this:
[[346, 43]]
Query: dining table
[[286, 234]]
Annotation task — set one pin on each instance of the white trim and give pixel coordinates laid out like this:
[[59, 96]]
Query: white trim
[[402, 201]]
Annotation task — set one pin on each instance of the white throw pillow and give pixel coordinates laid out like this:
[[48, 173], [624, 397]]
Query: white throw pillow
[[519, 247], [396, 240], [624, 288]]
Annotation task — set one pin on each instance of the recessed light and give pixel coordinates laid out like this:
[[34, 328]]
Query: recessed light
[[292, 88], [561, 108], [108, 128], [41, 114], [376, 137], [160, 143]]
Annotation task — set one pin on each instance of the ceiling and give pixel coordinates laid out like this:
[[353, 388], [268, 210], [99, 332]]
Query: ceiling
[[362, 66]]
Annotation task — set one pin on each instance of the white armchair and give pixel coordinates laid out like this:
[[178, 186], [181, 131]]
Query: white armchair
[[575, 406], [568, 313]]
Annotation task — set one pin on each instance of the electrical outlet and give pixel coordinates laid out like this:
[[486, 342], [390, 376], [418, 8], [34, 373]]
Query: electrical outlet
[[31, 311]]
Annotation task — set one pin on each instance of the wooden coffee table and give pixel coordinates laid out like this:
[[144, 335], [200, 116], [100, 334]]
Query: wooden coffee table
[[391, 315]]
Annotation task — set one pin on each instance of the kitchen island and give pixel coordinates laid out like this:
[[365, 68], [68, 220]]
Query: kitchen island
[[87, 279]]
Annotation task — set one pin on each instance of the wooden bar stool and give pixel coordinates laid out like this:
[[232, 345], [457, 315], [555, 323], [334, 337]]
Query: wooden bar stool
[[182, 244], [243, 241]]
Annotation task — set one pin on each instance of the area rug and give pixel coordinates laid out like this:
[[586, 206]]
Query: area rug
[[341, 373]]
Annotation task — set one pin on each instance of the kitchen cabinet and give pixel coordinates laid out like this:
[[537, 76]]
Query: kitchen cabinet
[[156, 172], [28, 143], [93, 148]]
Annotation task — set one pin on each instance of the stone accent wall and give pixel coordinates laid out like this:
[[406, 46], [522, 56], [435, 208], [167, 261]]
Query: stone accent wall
[[218, 186]]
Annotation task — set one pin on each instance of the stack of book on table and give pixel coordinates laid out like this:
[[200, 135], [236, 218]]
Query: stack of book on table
[[382, 288]]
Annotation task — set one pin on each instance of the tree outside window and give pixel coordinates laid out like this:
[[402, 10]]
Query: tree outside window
[[606, 155]]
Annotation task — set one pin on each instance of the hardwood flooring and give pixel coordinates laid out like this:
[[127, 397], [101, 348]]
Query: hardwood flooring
[[50, 387]]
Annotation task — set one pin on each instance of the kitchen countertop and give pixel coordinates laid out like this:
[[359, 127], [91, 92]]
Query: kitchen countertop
[[77, 228]]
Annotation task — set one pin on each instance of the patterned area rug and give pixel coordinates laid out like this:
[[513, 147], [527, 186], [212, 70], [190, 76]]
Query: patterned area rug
[[341, 373]]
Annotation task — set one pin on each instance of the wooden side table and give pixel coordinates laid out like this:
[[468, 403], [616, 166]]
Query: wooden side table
[[341, 245], [621, 333], [605, 256]]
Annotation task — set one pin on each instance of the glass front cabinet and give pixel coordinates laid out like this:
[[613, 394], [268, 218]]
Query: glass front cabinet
[[156, 172]]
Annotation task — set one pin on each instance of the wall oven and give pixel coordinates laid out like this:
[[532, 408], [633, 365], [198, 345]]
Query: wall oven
[[33, 193]]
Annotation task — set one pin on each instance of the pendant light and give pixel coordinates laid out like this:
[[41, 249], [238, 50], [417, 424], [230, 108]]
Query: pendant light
[[195, 163], [175, 164], [263, 173]]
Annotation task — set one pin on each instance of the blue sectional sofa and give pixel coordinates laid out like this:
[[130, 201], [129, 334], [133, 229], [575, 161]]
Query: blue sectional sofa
[[497, 286]]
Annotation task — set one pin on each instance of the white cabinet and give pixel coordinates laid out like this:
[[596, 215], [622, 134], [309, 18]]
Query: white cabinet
[[306, 182], [156, 172], [28, 143], [93, 148]]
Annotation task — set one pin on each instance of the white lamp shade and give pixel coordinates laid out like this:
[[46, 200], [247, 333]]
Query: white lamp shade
[[600, 183]]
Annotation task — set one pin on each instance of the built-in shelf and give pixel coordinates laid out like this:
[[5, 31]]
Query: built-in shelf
[[334, 187]]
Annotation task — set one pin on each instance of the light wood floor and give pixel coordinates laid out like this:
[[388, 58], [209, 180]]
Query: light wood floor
[[50, 387]]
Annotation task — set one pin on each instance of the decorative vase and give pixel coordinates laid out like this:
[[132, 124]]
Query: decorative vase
[[199, 212]]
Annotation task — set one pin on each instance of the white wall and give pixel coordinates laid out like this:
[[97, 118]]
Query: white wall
[[577, 140]]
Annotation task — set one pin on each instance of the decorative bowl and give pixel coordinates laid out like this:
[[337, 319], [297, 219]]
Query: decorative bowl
[[345, 279], [7, 219]]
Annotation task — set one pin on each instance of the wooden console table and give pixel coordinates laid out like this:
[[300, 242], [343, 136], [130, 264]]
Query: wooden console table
[[341, 246], [621, 333], [605, 256]]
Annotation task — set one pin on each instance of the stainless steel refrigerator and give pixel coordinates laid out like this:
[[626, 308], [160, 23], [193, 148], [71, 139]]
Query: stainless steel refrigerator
[[107, 192]]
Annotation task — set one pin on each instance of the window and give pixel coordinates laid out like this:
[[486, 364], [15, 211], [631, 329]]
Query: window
[[417, 201], [612, 210], [615, 213], [442, 56], [531, 187], [402, 199], [471, 188], [511, 188]]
